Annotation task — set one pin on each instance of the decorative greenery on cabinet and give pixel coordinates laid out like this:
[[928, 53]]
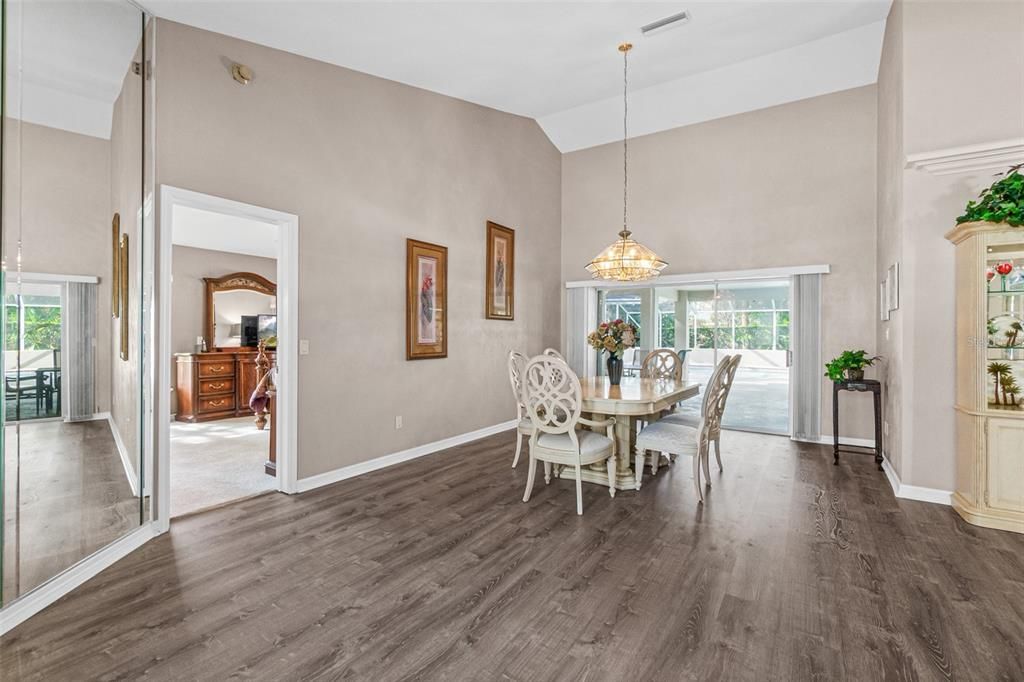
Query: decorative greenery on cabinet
[[1003, 202]]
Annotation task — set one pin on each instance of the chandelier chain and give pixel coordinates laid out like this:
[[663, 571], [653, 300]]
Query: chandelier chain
[[625, 139]]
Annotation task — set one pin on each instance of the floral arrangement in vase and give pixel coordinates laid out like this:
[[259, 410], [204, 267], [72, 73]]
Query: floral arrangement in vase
[[614, 338]]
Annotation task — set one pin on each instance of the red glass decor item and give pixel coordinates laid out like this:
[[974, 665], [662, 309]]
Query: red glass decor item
[[1004, 269]]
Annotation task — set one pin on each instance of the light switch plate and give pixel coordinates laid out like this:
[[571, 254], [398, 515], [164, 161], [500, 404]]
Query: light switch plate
[[303, 346]]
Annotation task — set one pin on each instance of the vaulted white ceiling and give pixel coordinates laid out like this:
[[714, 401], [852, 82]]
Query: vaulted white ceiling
[[557, 61], [66, 61]]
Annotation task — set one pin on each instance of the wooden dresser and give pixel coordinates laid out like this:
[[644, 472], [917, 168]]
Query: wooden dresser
[[215, 385]]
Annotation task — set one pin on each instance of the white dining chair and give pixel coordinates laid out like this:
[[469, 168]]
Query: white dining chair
[[720, 372], [554, 401], [691, 420], [662, 363], [524, 427], [554, 353], [665, 438], [632, 360]]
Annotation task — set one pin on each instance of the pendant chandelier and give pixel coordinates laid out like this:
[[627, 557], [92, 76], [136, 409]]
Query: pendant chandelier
[[625, 259]]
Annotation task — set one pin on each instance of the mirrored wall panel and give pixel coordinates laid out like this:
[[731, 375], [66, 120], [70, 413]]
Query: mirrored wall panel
[[73, 475]]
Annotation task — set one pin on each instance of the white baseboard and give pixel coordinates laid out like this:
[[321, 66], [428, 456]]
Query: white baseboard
[[852, 442], [329, 477], [122, 451], [28, 605], [914, 492]]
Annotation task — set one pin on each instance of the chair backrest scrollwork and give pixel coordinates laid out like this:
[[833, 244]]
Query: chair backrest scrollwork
[[553, 395], [516, 365], [713, 406], [719, 379], [662, 363], [554, 353]]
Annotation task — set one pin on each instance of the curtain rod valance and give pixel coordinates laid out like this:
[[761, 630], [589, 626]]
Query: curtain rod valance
[[706, 277], [50, 277]]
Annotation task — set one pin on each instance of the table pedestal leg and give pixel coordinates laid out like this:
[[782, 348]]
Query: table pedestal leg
[[598, 473]]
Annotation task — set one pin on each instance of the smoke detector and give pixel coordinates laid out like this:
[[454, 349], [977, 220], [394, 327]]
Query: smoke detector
[[665, 23]]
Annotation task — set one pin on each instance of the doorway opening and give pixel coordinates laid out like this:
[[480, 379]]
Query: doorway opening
[[228, 276]]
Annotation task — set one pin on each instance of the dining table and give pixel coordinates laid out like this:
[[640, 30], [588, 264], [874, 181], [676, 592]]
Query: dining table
[[634, 398]]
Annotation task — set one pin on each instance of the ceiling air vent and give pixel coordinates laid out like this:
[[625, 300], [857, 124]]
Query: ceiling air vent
[[665, 23]]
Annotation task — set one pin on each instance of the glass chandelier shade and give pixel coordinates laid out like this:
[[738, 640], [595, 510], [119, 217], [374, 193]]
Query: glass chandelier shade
[[625, 259]]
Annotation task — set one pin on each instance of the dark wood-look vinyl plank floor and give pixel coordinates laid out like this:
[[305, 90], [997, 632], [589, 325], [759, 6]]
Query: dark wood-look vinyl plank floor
[[436, 570]]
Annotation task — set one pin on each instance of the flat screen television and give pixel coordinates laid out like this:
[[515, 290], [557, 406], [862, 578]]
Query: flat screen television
[[250, 331]]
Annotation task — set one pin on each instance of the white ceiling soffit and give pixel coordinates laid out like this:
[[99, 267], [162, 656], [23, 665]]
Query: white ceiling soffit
[[221, 232], [839, 62], [557, 61], [66, 61]]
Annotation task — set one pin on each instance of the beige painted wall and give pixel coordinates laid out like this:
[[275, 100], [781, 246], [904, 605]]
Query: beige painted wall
[[366, 163], [945, 54], [125, 197], [789, 185], [57, 202], [891, 161]]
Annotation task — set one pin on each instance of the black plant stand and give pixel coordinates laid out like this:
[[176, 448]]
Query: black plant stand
[[865, 385]]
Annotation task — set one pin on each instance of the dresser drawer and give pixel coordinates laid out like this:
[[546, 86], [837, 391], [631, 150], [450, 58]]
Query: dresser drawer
[[217, 404], [215, 386], [225, 368]]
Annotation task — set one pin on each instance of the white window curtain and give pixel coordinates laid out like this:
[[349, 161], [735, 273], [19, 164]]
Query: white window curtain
[[580, 319], [78, 354], [807, 368]]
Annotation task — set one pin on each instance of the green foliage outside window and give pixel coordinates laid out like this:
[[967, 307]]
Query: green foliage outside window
[[42, 327]]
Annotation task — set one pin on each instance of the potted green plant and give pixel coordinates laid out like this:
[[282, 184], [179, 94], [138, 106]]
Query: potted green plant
[[1003, 202], [849, 365]]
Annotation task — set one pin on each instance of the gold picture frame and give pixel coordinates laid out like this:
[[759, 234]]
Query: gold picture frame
[[426, 300], [123, 294], [115, 270], [500, 286]]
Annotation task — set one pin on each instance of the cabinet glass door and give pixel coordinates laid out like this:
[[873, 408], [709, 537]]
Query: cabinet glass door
[[1005, 326]]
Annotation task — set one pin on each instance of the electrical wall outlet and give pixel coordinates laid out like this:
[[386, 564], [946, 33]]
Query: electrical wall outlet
[[303, 346], [398, 422]]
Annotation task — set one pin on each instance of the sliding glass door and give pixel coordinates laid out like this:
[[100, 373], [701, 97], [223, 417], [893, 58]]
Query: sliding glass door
[[32, 335], [749, 318], [753, 321]]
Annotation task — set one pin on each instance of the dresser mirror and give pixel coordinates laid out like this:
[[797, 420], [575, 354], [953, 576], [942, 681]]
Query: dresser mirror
[[75, 239], [241, 310]]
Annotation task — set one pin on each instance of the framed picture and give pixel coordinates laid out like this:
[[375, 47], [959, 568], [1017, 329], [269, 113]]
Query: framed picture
[[883, 300], [426, 300], [501, 262], [892, 278], [115, 259], [123, 294]]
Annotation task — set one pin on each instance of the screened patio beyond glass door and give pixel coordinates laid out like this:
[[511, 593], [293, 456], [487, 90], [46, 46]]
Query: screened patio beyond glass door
[[726, 318]]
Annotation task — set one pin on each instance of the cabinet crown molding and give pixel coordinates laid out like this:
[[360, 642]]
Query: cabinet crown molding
[[965, 231]]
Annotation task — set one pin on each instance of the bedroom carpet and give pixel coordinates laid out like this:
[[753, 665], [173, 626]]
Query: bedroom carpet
[[217, 462]]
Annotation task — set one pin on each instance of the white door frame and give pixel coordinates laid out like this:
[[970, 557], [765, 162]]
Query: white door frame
[[287, 320]]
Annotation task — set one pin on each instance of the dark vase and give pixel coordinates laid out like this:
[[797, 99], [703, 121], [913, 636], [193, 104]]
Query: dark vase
[[854, 374], [614, 369]]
